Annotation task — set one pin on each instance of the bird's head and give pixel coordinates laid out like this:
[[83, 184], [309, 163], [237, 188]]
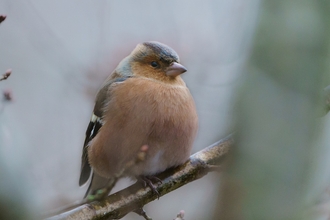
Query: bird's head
[[155, 60]]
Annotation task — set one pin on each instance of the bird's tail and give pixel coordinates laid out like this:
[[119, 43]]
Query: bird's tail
[[97, 182]]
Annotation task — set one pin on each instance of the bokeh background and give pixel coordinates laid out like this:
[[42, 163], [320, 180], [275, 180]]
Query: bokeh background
[[60, 53]]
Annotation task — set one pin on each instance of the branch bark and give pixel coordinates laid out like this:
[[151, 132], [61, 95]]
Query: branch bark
[[136, 196]]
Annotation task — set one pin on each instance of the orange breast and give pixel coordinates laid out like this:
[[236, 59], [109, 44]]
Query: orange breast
[[143, 111]]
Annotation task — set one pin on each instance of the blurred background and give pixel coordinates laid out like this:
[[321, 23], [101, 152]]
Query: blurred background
[[61, 51]]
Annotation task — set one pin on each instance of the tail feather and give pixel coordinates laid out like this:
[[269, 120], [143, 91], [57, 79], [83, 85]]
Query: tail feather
[[97, 182]]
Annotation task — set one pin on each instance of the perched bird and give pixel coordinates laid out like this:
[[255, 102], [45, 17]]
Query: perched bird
[[144, 101]]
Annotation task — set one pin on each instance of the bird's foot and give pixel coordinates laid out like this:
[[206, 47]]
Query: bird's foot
[[148, 181]]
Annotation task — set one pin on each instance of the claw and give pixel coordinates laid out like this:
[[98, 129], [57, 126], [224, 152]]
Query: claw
[[148, 181]]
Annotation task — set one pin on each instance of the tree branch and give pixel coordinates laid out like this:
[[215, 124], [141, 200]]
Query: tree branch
[[5, 75], [2, 18], [136, 196]]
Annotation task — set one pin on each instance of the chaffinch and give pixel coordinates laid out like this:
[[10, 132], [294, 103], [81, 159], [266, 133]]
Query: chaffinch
[[144, 101]]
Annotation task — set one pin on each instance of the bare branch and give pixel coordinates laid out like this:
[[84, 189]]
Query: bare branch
[[135, 197], [7, 95], [6, 75], [180, 216], [102, 193], [2, 18]]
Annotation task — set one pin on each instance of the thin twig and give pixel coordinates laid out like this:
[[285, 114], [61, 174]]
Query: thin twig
[[6, 75], [2, 18], [180, 216], [135, 197], [102, 193]]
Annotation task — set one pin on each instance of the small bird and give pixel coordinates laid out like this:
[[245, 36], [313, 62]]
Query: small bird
[[144, 101]]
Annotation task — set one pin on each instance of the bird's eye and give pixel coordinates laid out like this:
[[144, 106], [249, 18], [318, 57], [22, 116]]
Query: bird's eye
[[154, 64]]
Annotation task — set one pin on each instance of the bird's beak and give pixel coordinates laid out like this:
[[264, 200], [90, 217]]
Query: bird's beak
[[175, 69]]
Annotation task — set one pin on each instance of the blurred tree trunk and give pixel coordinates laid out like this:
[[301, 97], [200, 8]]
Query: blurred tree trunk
[[277, 109]]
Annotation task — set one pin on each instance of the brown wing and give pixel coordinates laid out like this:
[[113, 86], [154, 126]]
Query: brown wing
[[94, 126]]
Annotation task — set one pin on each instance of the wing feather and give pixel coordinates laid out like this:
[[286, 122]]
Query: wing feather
[[94, 126]]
